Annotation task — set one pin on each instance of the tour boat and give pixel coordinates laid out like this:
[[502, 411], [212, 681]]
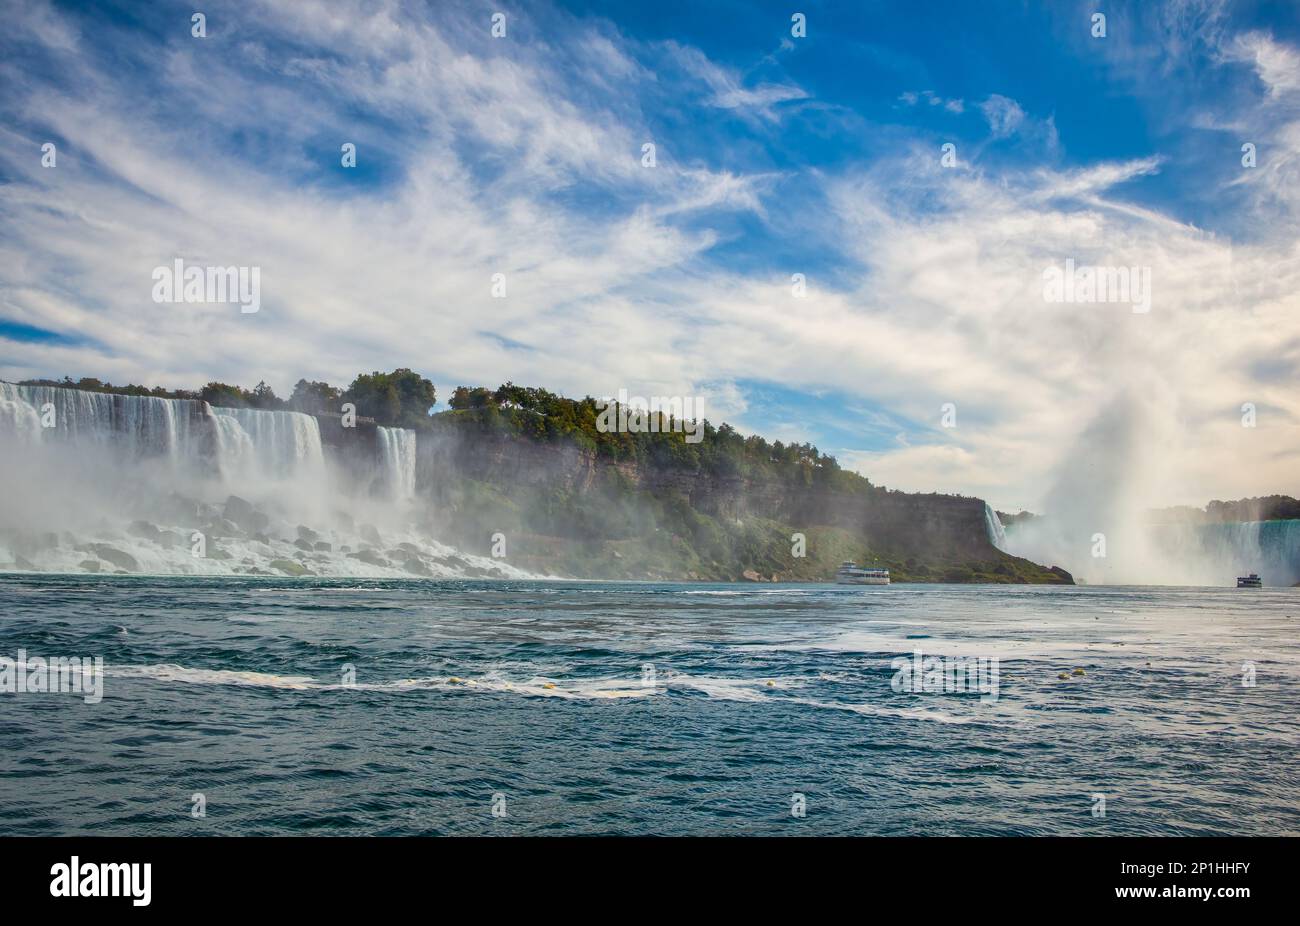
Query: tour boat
[[851, 574], [1250, 581]]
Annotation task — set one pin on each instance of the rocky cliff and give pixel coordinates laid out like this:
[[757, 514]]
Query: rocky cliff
[[563, 509]]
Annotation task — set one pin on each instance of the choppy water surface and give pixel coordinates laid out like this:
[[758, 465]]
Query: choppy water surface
[[235, 689]]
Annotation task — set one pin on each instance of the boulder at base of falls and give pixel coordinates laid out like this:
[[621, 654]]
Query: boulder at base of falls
[[224, 527], [237, 509], [89, 565], [242, 512], [307, 534], [144, 530], [115, 556], [752, 576], [369, 556], [180, 509], [289, 567]]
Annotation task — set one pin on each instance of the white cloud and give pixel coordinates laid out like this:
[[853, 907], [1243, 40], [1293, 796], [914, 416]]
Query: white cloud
[[513, 163], [1003, 115]]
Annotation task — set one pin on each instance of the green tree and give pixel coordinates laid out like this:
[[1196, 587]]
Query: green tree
[[315, 397], [401, 398], [224, 395]]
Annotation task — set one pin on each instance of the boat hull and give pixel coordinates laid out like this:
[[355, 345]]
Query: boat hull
[[863, 580]]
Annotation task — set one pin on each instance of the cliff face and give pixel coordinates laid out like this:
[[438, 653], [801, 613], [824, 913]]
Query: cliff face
[[565, 510]]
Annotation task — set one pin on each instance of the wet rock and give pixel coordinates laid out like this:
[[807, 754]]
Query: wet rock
[[89, 565], [303, 545], [23, 563], [144, 530], [289, 567], [241, 512], [215, 553], [369, 556], [237, 509], [181, 509], [262, 538], [371, 533], [170, 540], [116, 557], [416, 568], [752, 576], [33, 542], [223, 527], [324, 547], [1065, 577], [307, 534]]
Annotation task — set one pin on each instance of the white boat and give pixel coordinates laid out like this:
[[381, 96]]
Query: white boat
[[850, 573]]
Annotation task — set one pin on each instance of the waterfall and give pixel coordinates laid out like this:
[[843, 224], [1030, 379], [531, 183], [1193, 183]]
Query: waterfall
[[101, 483], [993, 527], [1194, 552], [397, 456], [1222, 551], [187, 433], [139, 426], [268, 445], [17, 416]]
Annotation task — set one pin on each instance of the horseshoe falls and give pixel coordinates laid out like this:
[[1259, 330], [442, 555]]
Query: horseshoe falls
[[1142, 553], [106, 483]]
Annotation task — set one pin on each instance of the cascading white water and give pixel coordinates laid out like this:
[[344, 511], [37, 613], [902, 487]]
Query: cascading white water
[[17, 416], [139, 426], [397, 451], [1219, 552], [101, 482], [1188, 553], [276, 445], [997, 534]]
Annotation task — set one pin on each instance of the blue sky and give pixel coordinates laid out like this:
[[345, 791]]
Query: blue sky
[[775, 155]]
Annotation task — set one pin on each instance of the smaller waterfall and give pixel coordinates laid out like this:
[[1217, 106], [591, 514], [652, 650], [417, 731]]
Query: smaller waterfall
[[397, 455], [997, 534], [278, 445]]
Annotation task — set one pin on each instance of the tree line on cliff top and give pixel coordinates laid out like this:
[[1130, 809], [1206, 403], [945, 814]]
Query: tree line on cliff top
[[405, 399]]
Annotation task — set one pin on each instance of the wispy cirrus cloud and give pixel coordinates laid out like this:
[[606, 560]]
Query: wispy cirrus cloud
[[524, 156]]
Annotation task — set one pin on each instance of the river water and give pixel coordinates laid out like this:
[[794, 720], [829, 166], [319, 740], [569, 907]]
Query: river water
[[364, 706]]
